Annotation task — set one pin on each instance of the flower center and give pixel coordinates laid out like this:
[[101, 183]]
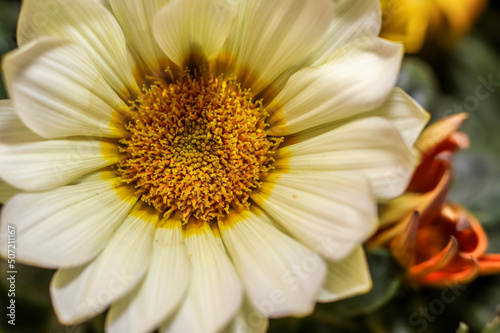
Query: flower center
[[197, 146]]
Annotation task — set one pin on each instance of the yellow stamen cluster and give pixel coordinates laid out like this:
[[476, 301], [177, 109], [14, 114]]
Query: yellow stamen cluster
[[197, 146]]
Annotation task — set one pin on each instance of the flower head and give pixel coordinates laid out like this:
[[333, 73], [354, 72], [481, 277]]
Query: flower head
[[413, 21], [439, 243], [201, 164]]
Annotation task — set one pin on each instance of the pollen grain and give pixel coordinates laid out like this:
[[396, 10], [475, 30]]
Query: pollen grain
[[197, 146]]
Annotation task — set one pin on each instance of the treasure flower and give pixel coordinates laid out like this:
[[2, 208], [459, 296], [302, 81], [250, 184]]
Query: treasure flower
[[439, 243], [200, 165], [442, 21]]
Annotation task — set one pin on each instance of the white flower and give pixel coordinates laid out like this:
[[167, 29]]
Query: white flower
[[156, 182]]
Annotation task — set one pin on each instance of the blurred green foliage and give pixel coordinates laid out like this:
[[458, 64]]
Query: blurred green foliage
[[8, 19], [444, 82]]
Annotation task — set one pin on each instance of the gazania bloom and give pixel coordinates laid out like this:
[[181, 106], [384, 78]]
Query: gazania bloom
[[412, 21], [439, 243], [196, 165]]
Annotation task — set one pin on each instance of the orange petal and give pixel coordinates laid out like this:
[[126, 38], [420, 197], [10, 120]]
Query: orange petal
[[459, 271], [399, 208], [385, 235], [454, 142], [489, 264], [403, 245], [438, 261], [459, 140], [437, 133], [428, 206], [432, 177], [473, 240]]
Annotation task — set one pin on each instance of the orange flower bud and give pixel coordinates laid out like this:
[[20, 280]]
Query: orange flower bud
[[438, 243]]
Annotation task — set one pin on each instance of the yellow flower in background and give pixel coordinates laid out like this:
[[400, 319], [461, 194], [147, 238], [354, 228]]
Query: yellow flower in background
[[413, 21], [196, 165]]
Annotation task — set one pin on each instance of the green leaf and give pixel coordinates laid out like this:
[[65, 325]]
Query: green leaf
[[494, 326], [8, 22], [31, 284]]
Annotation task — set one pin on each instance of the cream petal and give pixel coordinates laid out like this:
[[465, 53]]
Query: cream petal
[[6, 191], [371, 146], [162, 289], [12, 129], [347, 278], [88, 24], [404, 113], [352, 19], [271, 36], [215, 294], [105, 3], [6, 106], [400, 208], [331, 213], [361, 79], [136, 19], [248, 320], [57, 92], [281, 276], [187, 27], [45, 165], [69, 226], [31, 163], [83, 292]]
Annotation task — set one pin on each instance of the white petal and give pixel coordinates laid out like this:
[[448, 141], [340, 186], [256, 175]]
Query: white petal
[[281, 276], [331, 213], [6, 106], [57, 92], [347, 278], [249, 320], [105, 3], [372, 146], [29, 162], [69, 226], [136, 19], [12, 128], [361, 78], [83, 292], [6, 191], [86, 23], [271, 36], [352, 19], [404, 113], [215, 294], [194, 26], [162, 289]]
